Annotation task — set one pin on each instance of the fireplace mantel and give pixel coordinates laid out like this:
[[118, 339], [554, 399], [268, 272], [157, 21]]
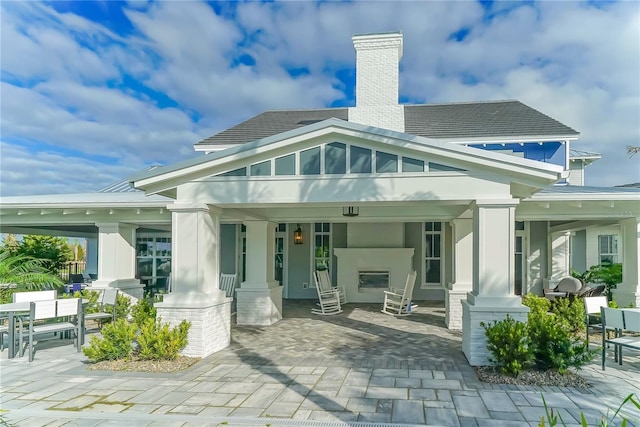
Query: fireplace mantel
[[398, 261]]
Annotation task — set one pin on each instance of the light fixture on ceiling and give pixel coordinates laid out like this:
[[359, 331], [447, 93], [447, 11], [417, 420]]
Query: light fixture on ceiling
[[350, 211], [297, 236]]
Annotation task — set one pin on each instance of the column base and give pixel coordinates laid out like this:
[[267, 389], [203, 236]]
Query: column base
[[453, 306], [474, 340], [258, 306], [210, 318], [132, 287]]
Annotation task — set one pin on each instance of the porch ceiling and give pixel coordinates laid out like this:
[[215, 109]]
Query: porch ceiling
[[604, 211]]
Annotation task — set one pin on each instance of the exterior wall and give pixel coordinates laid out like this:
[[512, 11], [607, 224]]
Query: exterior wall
[[592, 243], [299, 267], [576, 172], [579, 251], [375, 235], [537, 257], [339, 240], [228, 250]]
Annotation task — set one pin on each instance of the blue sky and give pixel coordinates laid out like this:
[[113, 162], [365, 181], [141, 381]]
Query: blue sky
[[94, 91]]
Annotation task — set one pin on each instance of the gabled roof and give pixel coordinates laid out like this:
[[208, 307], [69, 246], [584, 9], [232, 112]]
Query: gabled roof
[[162, 179], [466, 121]]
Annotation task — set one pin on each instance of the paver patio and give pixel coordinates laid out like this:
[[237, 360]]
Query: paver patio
[[361, 367]]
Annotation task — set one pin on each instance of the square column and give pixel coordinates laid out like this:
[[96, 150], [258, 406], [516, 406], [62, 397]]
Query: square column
[[492, 297], [462, 271], [117, 258], [195, 271], [559, 257], [260, 295], [628, 291]]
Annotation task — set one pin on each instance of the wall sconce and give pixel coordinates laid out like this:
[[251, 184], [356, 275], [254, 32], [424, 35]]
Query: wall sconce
[[297, 236], [350, 211]]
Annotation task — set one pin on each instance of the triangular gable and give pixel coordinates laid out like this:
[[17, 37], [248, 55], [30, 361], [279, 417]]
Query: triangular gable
[[530, 172]]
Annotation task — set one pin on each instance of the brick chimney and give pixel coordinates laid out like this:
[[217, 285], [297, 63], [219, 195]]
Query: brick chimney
[[377, 70]]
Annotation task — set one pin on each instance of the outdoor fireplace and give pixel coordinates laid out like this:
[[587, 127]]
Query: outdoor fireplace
[[373, 279]]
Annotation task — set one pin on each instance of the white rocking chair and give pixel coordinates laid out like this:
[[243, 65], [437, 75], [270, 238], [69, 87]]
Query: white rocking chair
[[328, 301], [398, 302], [324, 280]]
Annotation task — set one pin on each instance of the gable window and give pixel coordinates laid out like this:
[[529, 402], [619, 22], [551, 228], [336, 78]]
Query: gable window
[[286, 165], [412, 165], [360, 160], [432, 252], [608, 249], [310, 161], [261, 169], [386, 162], [236, 172], [335, 158], [437, 167]]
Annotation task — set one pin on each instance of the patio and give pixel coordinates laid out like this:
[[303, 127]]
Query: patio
[[361, 367]]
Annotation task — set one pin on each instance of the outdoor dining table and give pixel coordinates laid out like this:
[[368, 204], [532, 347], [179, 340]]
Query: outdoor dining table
[[14, 309]]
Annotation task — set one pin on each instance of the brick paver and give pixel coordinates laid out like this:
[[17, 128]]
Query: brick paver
[[360, 366]]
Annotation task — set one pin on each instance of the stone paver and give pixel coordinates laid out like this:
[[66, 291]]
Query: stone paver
[[370, 368]]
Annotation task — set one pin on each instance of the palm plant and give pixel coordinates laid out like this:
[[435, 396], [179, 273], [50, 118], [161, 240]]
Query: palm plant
[[21, 272]]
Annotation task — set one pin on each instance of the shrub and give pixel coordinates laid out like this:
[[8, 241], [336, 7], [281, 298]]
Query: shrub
[[142, 311], [157, 341], [553, 344], [123, 306], [537, 305], [116, 342], [571, 311], [508, 342]]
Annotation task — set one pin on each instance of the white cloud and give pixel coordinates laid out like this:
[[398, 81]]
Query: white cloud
[[67, 79]]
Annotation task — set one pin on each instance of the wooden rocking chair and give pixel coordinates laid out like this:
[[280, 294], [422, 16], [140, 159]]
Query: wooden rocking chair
[[324, 280], [398, 302], [328, 301]]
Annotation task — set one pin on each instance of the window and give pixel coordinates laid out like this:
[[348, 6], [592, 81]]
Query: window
[[310, 161], [153, 261], [386, 163], [286, 165], [608, 249], [235, 172], [432, 252], [261, 169], [335, 158], [322, 248], [437, 167], [360, 160], [412, 165]]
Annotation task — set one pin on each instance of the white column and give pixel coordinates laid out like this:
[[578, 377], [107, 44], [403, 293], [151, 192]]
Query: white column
[[91, 255], [462, 271], [628, 291], [259, 296], [195, 271], [559, 257], [492, 297], [117, 258]]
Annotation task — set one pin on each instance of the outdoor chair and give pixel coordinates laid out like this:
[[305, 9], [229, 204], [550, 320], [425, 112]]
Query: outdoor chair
[[620, 320], [33, 296], [228, 284], [397, 302], [108, 298], [54, 316], [566, 286], [324, 281], [592, 307], [328, 301]]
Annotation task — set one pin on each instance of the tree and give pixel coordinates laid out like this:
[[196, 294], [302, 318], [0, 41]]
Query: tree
[[54, 252], [21, 272]]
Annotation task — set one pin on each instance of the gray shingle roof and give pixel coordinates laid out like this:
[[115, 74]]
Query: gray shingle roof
[[497, 119]]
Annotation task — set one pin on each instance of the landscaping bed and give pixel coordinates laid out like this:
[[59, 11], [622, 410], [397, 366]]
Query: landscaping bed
[[137, 365]]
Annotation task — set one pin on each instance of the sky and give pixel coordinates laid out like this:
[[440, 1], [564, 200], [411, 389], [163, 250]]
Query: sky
[[94, 91]]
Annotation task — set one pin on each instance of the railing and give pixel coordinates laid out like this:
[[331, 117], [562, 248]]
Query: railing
[[72, 267]]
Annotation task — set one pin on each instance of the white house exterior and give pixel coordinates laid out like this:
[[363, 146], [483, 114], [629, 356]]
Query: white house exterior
[[472, 196]]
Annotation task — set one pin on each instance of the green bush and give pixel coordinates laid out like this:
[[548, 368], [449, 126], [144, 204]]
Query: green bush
[[156, 341], [123, 306], [116, 342], [571, 311], [508, 342], [537, 305], [142, 311], [554, 345]]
